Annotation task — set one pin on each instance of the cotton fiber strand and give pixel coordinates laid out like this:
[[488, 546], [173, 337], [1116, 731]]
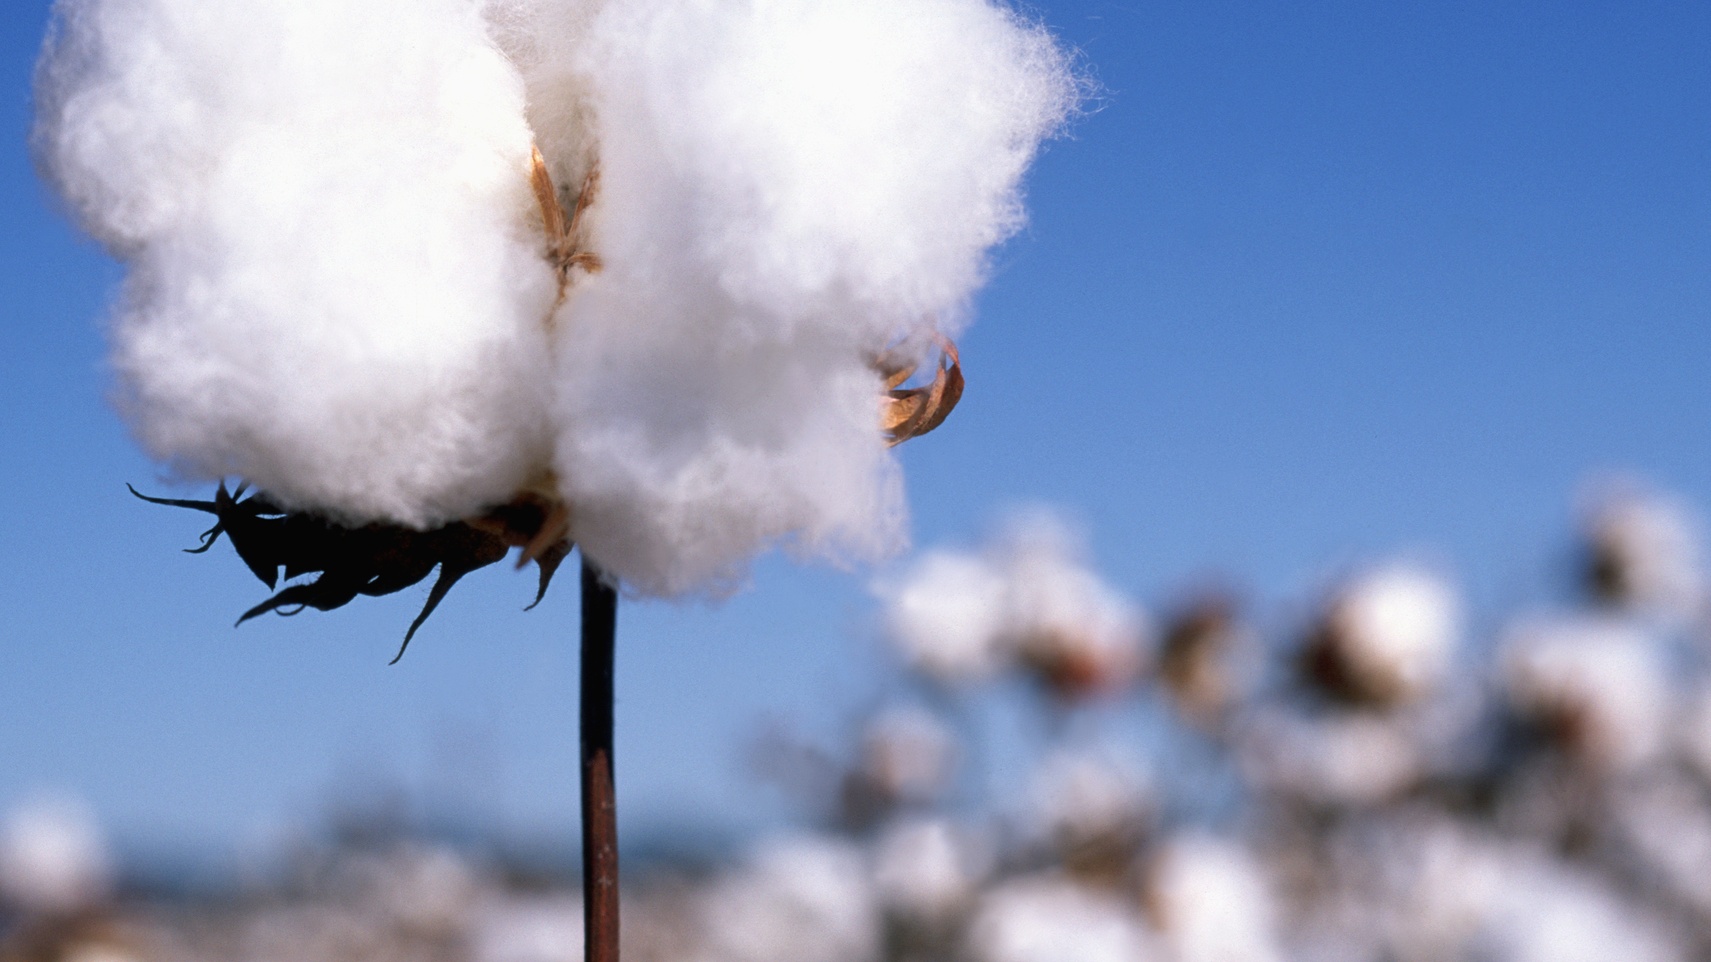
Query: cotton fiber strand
[[333, 288], [338, 285]]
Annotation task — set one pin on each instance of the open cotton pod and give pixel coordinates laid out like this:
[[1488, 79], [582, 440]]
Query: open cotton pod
[[1210, 901], [1385, 638], [663, 271], [945, 616], [1070, 628], [1595, 689], [1643, 552], [907, 758]]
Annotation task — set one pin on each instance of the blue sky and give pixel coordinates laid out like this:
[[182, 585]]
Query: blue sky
[[1311, 283]]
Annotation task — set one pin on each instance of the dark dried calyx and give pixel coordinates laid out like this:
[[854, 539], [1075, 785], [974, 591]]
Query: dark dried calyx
[[342, 562]]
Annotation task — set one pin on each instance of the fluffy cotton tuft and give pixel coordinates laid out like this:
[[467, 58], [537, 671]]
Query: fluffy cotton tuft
[[785, 188], [1644, 552], [946, 615], [929, 869], [1077, 633], [53, 858], [1050, 919], [1388, 636], [1211, 902], [338, 286], [1029, 596], [807, 899], [334, 290], [1596, 685]]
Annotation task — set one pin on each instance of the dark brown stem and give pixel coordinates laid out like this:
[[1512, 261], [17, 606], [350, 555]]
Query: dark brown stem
[[599, 802]]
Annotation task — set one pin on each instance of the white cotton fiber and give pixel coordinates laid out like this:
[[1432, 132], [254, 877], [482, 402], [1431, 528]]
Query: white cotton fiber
[[785, 187], [338, 286], [335, 289]]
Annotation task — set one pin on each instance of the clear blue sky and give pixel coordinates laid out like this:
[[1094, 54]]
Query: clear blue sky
[[1314, 282]]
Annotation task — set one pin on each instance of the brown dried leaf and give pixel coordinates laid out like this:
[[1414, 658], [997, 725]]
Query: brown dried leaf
[[911, 412], [552, 212]]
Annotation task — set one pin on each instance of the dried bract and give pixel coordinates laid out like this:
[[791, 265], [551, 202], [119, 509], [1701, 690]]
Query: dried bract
[[911, 412], [374, 559]]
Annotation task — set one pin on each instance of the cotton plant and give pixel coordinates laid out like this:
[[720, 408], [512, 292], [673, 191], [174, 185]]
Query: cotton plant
[[439, 279]]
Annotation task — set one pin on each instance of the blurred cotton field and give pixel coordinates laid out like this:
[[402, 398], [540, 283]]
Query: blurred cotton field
[[1373, 775]]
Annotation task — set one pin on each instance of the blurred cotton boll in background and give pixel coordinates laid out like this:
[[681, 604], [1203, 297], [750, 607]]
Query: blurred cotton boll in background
[[1554, 913], [1596, 687], [946, 615], [1077, 634], [907, 755], [1644, 551], [807, 899], [1206, 658], [1049, 919], [1094, 809], [1027, 597], [927, 870], [1387, 637], [341, 285], [1211, 902], [53, 858]]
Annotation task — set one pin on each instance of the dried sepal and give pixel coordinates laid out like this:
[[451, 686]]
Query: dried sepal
[[911, 412], [553, 221], [563, 247], [375, 559]]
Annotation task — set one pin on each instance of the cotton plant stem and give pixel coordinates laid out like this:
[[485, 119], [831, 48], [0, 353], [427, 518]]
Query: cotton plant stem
[[599, 803]]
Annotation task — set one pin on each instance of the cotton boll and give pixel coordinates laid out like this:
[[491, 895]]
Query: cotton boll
[[1211, 903], [804, 899], [1554, 914], [1445, 883], [53, 858], [1077, 633], [1643, 551], [1386, 638], [1048, 919], [1094, 810], [907, 757], [1595, 686], [946, 614], [927, 869], [335, 284], [785, 187], [907, 754]]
